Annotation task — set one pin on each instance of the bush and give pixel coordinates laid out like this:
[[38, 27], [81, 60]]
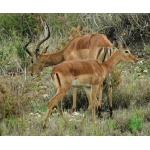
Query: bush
[[19, 23], [135, 123], [14, 100]]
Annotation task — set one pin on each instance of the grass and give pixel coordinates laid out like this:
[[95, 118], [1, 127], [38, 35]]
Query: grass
[[23, 106], [23, 100], [135, 123], [125, 122]]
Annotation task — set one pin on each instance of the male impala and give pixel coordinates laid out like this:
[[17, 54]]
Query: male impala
[[95, 46], [87, 73]]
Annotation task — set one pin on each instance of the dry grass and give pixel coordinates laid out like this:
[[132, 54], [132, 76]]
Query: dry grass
[[23, 106], [122, 124]]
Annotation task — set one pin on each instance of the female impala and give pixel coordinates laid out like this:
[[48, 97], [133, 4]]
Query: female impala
[[87, 73], [95, 46]]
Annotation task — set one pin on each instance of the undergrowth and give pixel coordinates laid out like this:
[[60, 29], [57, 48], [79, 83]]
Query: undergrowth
[[23, 106]]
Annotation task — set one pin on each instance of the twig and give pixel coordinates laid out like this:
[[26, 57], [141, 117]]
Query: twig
[[3, 70], [18, 64]]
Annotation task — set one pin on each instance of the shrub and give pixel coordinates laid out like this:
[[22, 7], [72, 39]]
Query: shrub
[[14, 100], [135, 123]]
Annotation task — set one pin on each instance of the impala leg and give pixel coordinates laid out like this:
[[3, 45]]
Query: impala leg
[[74, 99], [89, 97], [110, 96], [100, 101], [51, 104], [94, 102]]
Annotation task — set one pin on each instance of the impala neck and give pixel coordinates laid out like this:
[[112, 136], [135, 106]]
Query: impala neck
[[52, 59], [113, 60]]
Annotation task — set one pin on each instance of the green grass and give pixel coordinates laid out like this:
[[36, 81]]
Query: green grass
[[135, 123], [23, 104], [125, 122], [23, 109]]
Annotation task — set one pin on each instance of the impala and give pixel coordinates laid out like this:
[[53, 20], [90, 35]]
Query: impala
[[95, 46], [86, 73]]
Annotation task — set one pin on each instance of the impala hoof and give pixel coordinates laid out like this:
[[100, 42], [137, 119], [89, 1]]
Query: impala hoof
[[44, 126], [100, 116]]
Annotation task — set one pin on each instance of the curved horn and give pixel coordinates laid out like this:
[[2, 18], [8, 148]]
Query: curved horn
[[42, 41], [30, 40], [121, 39], [45, 50], [26, 45]]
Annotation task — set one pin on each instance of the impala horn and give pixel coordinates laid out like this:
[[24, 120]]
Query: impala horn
[[30, 40], [42, 41], [121, 39], [26, 45]]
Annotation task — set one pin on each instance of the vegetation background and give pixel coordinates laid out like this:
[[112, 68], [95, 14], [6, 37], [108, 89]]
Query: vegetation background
[[23, 100]]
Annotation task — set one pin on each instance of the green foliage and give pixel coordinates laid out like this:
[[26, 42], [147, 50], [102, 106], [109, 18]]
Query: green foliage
[[43, 108], [131, 26], [9, 23], [135, 123], [14, 30], [13, 100], [135, 75], [12, 125], [147, 48], [12, 55], [16, 122], [39, 108], [19, 23], [19, 99], [61, 23], [35, 107], [111, 125]]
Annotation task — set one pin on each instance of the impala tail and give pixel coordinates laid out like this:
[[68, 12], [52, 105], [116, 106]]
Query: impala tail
[[58, 79], [55, 77]]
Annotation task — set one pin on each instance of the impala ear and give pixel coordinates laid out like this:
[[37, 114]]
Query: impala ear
[[117, 44], [45, 50], [124, 46]]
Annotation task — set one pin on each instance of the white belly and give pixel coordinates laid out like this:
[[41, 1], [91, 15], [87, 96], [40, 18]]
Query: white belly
[[76, 83]]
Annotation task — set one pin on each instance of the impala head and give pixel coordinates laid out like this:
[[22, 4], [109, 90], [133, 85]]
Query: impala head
[[124, 52], [35, 55]]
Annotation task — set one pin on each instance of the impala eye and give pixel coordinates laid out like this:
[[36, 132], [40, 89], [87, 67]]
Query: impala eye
[[126, 51]]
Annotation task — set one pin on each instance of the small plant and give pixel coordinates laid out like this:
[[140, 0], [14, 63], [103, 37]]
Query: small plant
[[111, 125], [135, 75], [148, 48], [43, 108], [135, 123], [35, 107]]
